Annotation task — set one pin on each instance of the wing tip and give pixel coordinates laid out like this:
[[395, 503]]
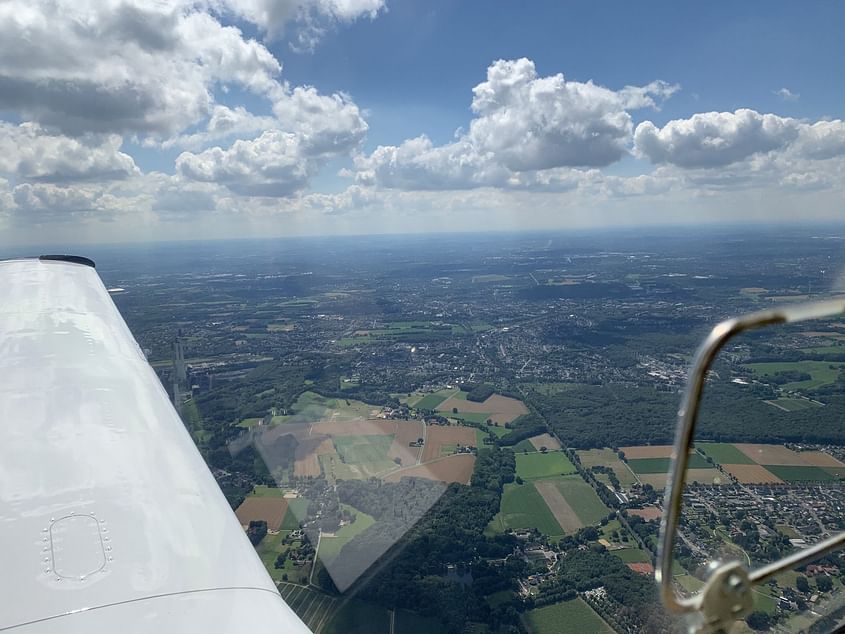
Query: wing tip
[[73, 259]]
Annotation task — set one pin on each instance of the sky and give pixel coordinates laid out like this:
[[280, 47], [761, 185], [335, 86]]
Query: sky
[[125, 121]]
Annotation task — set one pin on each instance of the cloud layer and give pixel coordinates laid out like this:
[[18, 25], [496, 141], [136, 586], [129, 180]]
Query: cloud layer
[[167, 111]]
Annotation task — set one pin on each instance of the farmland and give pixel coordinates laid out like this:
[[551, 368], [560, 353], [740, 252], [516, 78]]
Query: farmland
[[524, 507], [543, 465], [501, 409], [607, 458], [821, 372], [661, 465], [456, 468], [569, 616], [440, 436], [582, 498], [724, 453]]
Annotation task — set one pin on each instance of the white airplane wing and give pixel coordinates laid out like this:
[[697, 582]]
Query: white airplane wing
[[110, 520]]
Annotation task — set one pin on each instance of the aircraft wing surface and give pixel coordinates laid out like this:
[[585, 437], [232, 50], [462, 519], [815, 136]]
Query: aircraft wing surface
[[110, 520]]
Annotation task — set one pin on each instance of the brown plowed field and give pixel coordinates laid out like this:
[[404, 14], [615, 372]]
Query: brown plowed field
[[819, 459], [564, 514], [502, 409], [648, 451], [270, 509], [545, 440], [439, 435], [771, 454], [648, 513], [457, 468], [307, 466], [751, 474], [406, 431]]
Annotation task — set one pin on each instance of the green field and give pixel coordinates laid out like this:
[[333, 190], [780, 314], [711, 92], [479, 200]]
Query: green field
[[582, 498], [689, 583], [523, 507], [822, 372], [661, 465], [269, 549], [363, 449], [800, 473], [330, 546], [431, 401], [296, 513], [633, 556], [524, 445], [357, 617], [794, 404], [569, 616], [472, 417], [607, 458], [543, 465], [724, 453], [311, 407]]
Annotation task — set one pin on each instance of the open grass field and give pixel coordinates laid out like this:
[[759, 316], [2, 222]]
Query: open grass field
[[723, 453], [793, 404], [363, 449], [501, 409], [661, 465], [751, 474], [560, 507], [524, 446], [822, 372], [540, 465], [431, 401], [633, 555], [297, 512], [689, 583], [582, 498], [270, 509], [523, 507], [439, 435], [330, 546], [569, 616], [805, 473], [311, 407], [456, 468], [545, 440], [607, 458]]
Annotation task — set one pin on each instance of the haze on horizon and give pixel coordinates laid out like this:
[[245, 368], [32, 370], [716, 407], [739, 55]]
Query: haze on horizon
[[137, 121]]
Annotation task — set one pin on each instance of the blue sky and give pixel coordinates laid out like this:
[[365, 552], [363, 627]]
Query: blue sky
[[285, 117]]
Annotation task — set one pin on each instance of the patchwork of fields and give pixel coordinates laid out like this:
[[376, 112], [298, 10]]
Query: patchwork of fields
[[773, 464]]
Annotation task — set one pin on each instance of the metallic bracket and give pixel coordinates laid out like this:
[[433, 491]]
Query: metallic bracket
[[727, 593]]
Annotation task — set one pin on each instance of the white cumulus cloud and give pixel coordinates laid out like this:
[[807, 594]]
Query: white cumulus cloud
[[271, 165], [27, 152], [523, 123], [714, 139]]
